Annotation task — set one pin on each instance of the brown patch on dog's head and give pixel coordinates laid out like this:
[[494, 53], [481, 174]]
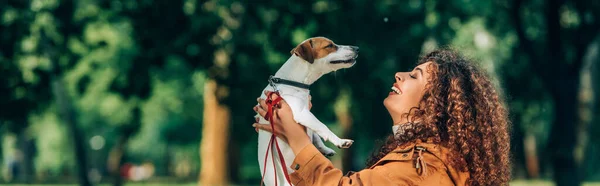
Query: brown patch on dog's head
[[314, 48]]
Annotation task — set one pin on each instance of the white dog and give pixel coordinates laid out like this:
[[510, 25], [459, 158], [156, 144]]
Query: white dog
[[310, 60]]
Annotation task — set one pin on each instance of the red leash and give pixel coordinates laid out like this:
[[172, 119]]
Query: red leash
[[269, 116]]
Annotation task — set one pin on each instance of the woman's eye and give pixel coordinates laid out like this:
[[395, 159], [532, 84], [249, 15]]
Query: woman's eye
[[411, 76]]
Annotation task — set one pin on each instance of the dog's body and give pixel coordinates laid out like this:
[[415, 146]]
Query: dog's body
[[309, 61]]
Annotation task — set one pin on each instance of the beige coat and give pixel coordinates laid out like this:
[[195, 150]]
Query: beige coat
[[413, 164]]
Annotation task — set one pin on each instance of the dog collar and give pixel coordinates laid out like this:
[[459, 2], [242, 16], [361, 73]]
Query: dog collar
[[274, 80]]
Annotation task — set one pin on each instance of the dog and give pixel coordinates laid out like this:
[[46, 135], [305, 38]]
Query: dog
[[310, 60]]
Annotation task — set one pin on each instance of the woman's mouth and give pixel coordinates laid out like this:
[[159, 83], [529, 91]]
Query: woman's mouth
[[395, 90]]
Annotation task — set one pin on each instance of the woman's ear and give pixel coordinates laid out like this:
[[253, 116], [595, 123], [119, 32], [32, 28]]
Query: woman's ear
[[305, 51]]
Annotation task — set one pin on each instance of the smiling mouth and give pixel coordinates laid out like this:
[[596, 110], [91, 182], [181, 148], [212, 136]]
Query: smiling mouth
[[396, 90], [351, 60], [343, 61]]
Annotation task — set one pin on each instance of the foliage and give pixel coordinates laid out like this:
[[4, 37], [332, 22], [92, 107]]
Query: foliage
[[137, 68]]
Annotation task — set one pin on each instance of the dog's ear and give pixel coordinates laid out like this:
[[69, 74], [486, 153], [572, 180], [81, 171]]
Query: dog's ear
[[305, 51]]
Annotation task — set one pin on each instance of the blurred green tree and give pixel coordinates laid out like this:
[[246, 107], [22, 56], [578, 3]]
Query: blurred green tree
[[555, 46], [17, 88], [140, 72]]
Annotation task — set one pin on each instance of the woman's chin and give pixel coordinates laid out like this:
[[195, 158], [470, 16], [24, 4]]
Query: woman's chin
[[388, 102], [391, 99], [385, 101], [393, 103]]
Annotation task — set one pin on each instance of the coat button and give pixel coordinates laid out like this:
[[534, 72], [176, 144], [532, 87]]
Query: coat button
[[297, 166]]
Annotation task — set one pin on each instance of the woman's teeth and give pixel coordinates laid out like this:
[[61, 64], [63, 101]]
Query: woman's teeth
[[396, 90]]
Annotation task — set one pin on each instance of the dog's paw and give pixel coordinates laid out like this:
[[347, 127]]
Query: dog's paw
[[345, 143], [329, 155], [326, 151]]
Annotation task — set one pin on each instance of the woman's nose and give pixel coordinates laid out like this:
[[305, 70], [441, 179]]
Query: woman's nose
[[398, 76]]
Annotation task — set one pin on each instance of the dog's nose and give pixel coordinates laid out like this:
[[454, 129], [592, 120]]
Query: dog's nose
[[355, 48]]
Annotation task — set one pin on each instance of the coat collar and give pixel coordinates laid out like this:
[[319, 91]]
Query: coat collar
[[406, 151]]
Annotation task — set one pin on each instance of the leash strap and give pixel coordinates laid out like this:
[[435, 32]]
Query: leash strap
[[265, 162], [269, 116]]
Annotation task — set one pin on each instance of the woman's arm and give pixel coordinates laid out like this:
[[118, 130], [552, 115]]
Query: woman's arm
[[311, 167], [286, 127]]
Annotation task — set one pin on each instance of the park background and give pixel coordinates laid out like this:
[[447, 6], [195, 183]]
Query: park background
[[159, 92]]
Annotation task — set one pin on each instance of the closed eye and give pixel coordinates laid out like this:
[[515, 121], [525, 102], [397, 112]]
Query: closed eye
[[329, 46], [411, 76]]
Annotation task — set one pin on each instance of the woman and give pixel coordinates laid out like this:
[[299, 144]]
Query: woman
[[450, 127]]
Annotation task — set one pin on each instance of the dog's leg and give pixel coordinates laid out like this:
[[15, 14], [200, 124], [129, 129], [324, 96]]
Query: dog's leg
[[309, 120], [321, 146], [303, 116]]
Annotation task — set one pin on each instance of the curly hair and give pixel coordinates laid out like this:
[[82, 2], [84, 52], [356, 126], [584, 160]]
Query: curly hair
[[462, 111]]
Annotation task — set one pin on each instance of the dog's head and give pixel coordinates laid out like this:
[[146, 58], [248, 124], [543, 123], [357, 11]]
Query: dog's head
[[325, 54]]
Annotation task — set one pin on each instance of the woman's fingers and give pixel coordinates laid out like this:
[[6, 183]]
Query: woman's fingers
[[282, 104], [263, 103], [273, 97], [265, 127], [267, 92], [264, 106], [262, 112], [276, 118]]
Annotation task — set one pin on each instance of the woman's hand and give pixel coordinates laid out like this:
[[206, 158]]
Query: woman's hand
[[285, 126]]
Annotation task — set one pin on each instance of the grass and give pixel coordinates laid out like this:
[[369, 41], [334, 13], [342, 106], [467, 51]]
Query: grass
[[513, 183], [130, 184], [544, 183]]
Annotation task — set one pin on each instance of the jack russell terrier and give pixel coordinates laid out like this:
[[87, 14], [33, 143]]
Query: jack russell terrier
[[310, 60]]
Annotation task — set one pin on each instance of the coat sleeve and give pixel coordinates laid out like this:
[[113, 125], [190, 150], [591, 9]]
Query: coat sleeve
[[312, 168]]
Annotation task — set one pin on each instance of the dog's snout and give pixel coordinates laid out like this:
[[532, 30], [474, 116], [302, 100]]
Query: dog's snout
[[354, 48]]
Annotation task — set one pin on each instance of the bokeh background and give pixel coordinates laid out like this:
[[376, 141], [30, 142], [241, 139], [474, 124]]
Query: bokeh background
[[159, 92]]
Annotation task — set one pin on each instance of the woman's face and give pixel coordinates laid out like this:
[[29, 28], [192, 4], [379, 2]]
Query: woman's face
[[407, 91]]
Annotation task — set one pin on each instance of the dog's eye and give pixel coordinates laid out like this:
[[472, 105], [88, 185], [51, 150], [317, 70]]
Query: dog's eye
[[329, 46]]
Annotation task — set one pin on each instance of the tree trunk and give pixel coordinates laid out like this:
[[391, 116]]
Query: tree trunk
[[562, 136], [2, 134], [564, 88], [68, 116], [531, 157], [55, 52], [26, 145], [115, 160], [592, 63], [517, 141], [233, 161], [215, 131], [593, 162], [342, 113], [168, 168]]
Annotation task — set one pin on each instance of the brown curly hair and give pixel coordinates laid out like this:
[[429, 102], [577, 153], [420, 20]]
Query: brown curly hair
[[462, 111]]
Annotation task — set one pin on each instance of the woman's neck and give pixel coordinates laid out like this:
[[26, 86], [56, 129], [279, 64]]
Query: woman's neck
[[400, 121]]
